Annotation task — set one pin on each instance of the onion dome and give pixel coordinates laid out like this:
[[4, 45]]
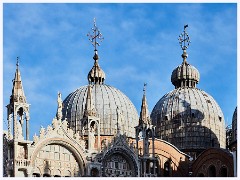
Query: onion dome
[[114, 109], [188, 117], [234, 126]]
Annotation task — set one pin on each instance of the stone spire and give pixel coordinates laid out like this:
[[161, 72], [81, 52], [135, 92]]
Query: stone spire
[[17, 90], [18, 109], [144, 114], [89, 107], [96, 75]]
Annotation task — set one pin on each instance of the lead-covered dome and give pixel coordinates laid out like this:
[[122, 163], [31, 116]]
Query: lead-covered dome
[[106, 99], [188, 117]]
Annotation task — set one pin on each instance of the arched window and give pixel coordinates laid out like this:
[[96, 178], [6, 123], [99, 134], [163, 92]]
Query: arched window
[[166, 169], [212, 171], [223, 172]]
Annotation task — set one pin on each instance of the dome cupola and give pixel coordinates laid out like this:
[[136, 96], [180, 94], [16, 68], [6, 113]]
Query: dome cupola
[[96, 75], [185, 75]]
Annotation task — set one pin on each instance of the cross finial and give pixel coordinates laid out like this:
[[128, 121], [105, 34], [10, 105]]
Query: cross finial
[[95, 34], [17, 61], [184, 39], [144, 87]]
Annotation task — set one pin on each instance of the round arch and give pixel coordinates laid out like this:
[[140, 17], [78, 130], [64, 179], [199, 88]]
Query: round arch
[[118, 151], [77, 153]]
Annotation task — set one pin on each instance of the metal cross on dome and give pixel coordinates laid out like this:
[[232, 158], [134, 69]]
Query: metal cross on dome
[[96, 34], [184, 39]]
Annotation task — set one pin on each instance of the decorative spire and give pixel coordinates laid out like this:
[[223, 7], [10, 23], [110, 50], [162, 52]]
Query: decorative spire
[[17, 90], [96, 74], [144, 115], [184, 42], [89, 107]]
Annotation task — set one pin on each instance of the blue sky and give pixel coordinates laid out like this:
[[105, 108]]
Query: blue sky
[[140, 45]]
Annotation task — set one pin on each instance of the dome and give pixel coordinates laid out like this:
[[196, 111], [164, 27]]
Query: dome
[[106, 99], [234, 125], [189, 118], [185, 75]]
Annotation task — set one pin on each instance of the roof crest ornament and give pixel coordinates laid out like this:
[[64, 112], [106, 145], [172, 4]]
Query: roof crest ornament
[[184, 42]]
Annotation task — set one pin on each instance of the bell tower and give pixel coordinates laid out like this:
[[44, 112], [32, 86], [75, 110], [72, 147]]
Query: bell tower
[[18, 110], [145, 136]]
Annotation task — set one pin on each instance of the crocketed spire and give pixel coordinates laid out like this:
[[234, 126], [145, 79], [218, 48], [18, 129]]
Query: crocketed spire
[[17, 90], [144, 114]]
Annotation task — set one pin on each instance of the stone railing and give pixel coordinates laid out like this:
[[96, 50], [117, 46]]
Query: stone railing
[[22, 162]]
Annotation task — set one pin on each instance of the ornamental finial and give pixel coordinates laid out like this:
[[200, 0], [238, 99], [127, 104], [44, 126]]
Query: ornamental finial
[[144, 88], [95, 34], [184, 42], [184, 39], [17, 62]]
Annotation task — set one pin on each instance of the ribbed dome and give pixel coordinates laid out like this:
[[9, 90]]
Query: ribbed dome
[[234, 125], [185, 75], [190, 119], [105, 99]]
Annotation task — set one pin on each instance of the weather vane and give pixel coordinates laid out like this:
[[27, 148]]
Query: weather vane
[[184, 39], [96, 34]]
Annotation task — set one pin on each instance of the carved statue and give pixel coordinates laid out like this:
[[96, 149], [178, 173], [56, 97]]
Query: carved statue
[[19, 134], [83, 131], [59, 110], [91, 137]]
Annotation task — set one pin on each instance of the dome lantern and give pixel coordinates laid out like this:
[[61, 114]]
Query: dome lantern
[[185, 75], [96, 75]]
